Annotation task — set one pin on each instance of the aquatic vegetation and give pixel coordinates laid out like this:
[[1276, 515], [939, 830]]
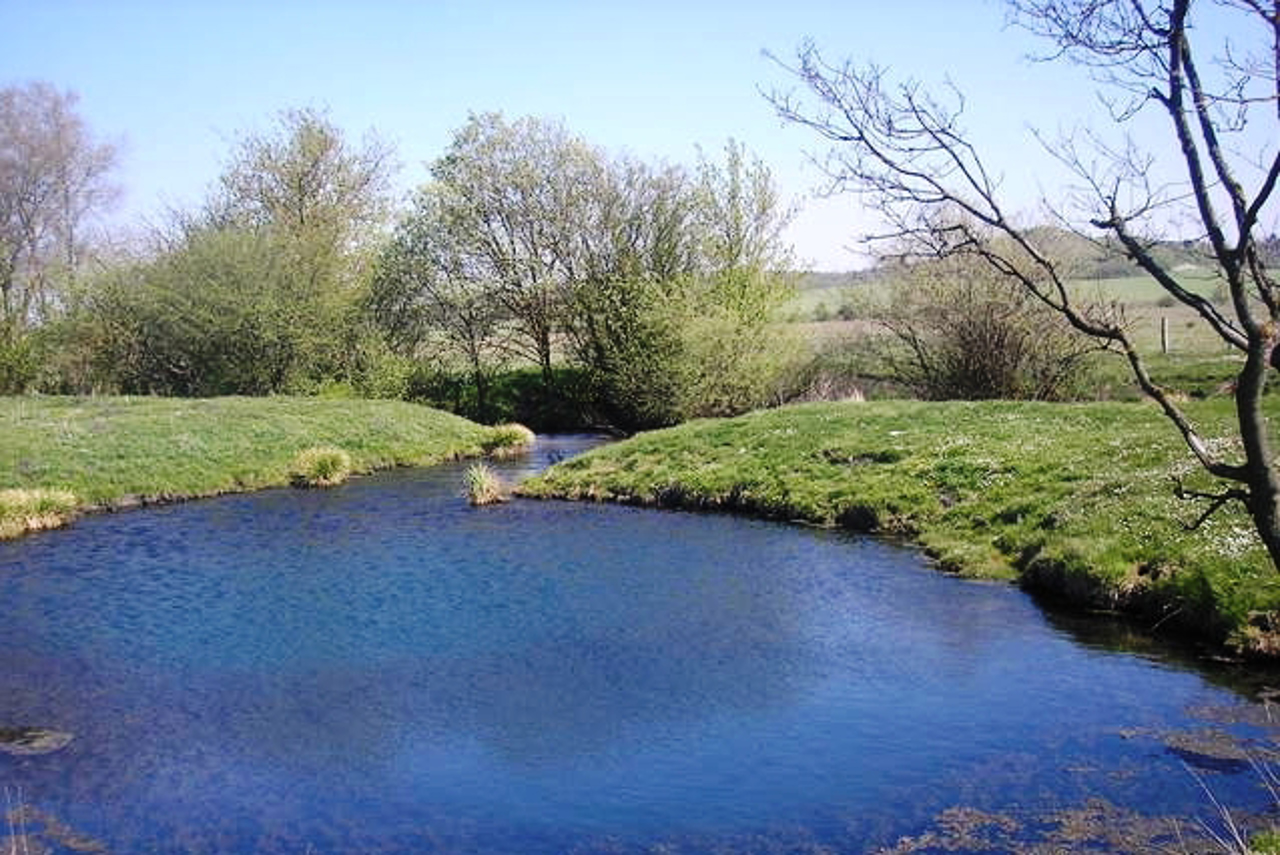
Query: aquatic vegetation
[[321, 466], [23, 511], [483, 485]]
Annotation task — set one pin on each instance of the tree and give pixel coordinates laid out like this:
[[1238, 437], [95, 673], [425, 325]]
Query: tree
[[305, 177], [260, 290], [54, 177], [520, 202], [688, 274], [908, 152], [423, 287]]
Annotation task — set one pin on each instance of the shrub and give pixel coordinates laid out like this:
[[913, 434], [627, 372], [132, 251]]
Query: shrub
[[959, 330], [321, 466], [22, 511], [483, 485]]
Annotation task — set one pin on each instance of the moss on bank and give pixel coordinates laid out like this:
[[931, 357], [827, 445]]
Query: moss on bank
[[118, 451], [1075, 502]]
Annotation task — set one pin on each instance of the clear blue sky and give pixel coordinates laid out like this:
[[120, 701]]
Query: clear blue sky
[[174, 81]]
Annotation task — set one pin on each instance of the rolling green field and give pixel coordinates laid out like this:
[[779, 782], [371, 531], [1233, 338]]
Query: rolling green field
[[1074, 501], [117, 451]]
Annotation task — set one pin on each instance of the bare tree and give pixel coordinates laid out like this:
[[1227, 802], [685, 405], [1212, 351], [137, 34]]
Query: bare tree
[[909, 154], [53, 178]]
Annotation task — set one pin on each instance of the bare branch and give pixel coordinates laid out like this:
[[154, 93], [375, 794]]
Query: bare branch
[[1217, 501]]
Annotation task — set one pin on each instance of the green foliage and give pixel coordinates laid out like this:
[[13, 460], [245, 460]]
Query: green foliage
[[19, 363], [114, 450], [321, 466], [257, 293], [1072, 499], [514, 395], [223, 313], [663, 286], [1265, 843]]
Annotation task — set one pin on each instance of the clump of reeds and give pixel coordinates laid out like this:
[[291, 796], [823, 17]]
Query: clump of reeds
[[23, 511], [320, 466], [507, 440], [483, 486]]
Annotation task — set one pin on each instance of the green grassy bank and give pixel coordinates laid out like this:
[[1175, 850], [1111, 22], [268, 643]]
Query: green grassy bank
[[116, 452], [1074, 501]]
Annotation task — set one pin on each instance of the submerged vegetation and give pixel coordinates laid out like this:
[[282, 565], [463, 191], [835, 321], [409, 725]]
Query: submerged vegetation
[[1055, 496], [61, 455]]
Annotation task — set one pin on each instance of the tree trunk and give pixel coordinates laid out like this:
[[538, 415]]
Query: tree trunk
[[1263, 480]]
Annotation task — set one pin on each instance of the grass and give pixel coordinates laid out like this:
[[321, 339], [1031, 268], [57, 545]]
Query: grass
[[23, 511], [114, 452], [483, 486], [508, 440], [1073, 501], [321, 466]]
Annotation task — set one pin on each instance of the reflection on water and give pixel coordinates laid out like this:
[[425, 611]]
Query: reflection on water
[[383, 668]]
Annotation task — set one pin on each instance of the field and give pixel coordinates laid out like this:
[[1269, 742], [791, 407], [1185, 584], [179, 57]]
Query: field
[[1182, 351], [118, 451]]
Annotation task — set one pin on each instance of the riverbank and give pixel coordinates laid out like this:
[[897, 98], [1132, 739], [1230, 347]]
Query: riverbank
[[62, 456], [1073, 502]]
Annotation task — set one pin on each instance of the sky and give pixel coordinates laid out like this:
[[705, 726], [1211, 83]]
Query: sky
[[175, 82]]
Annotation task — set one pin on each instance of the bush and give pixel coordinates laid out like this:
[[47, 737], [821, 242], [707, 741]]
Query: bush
[[959, 330], [19, 364], [321, 466]]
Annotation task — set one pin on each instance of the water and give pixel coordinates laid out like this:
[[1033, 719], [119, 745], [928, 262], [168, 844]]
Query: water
[[381, 668]]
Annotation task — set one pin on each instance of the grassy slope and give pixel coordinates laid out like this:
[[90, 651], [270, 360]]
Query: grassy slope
[[111, 451], [1075, 500]]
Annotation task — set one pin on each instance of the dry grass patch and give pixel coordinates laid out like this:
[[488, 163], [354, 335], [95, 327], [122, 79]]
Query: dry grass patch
[[483, 486], [23, 511], [321, 466], [508, 440]]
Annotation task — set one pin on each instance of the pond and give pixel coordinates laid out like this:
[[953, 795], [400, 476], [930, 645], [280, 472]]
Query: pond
[[381, 668]]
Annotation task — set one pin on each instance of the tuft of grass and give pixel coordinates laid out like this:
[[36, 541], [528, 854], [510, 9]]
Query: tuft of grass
[[508, 440], [28, 510], [321, 466], [483, 486], [1073, 501]]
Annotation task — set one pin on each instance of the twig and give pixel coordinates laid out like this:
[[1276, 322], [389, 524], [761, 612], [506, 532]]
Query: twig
[[1217, 501]]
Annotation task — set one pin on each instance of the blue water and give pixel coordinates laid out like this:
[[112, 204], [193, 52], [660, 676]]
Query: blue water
[[381, 668]]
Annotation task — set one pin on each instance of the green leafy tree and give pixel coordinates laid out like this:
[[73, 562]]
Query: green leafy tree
[[518, 202], [426, 300], [260, 291]]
